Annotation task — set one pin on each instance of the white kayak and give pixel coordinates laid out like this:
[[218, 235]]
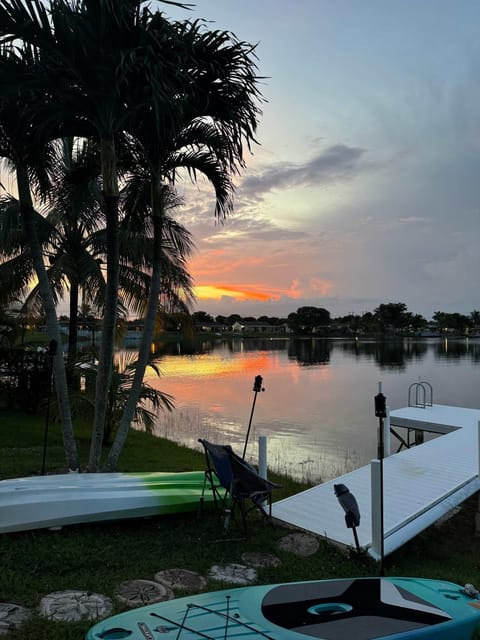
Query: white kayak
[[38, 502]]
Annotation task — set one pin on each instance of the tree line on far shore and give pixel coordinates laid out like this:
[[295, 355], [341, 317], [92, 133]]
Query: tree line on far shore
[[387, 318]]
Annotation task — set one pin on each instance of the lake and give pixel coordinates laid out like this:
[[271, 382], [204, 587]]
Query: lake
[[317, 409]]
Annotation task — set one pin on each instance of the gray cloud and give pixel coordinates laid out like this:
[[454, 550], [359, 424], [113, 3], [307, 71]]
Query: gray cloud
[[338, 162]]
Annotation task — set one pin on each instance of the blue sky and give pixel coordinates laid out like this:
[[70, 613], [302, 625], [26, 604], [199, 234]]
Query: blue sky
[[365, 186]]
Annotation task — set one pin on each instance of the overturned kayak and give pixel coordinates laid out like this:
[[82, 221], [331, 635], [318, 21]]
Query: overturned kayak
[[53, 501], [358, 608]]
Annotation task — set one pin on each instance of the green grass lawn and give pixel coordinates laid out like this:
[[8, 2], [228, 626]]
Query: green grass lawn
[[98, 557]]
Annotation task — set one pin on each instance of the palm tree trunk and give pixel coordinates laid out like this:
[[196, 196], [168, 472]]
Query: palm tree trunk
[[147, 336], [107, 347], [53, 329]]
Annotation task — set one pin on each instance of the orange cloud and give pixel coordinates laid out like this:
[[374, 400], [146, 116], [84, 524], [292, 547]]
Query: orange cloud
[[237, 292], [258, 292]]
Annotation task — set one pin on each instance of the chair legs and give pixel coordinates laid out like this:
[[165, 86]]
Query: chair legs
[[229, 513]]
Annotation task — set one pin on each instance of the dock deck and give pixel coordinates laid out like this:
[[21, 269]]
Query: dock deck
[[421, 484]]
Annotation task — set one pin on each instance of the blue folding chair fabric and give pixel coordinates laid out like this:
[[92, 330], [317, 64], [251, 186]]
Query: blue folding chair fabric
[[241, 484]]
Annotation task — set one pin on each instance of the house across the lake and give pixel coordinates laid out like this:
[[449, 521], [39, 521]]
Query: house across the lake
[[259, 327]]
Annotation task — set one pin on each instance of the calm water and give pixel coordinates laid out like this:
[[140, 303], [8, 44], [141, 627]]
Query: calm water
[[317, 408]]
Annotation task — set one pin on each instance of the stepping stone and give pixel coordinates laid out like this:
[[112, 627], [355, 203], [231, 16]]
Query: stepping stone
[[235, 573], [256, 559], [301, 544], [12, 616], [182, 579], [72, 606], [139, 593]]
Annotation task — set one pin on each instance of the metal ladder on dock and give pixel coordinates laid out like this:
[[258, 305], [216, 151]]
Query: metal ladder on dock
[[420, 395]]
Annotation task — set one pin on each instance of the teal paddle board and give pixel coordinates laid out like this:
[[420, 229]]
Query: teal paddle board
[[355, 608]]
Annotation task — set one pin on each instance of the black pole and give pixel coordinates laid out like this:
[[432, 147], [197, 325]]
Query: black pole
[[257, 387], [52, 351], [381, 413]]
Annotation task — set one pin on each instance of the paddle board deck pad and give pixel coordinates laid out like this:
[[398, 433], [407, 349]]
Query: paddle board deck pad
[[56, 500], [357, 608]]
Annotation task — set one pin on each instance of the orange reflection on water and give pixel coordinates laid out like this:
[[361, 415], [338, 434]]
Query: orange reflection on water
[[206, 365], [213, 396], [222, 385]]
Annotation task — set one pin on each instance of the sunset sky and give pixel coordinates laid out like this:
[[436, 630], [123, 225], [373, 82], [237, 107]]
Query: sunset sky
[[365, 186]]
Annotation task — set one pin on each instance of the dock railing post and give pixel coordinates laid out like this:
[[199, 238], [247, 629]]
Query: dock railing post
[[478, 443], [262, 456], [477, 515], [376, 498]]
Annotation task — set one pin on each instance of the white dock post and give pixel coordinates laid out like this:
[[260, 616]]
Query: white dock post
[[386, 435], [477, 515], [262, 456], [376, 497], [478, 443]]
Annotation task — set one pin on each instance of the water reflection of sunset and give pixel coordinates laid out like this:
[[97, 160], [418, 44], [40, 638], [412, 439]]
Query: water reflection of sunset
[[213, 394], [317, 410], [208, 365]]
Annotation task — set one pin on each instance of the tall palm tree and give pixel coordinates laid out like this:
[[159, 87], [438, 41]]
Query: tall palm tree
[[215, 114], [90, 52], [28, 153], [86, 52], [106, 66], [70, 230]]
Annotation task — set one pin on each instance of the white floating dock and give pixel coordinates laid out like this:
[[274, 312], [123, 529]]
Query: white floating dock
[[421, 484]]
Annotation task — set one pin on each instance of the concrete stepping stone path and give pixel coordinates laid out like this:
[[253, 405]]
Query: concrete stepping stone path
[[139, 593], [72, 606], [181, 579], [12, 616], [235, 573]]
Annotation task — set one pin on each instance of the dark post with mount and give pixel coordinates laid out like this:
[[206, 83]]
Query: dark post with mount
[[381, 414], [257, 387]]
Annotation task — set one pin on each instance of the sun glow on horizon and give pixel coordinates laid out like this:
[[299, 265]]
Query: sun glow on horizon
[[244, 292]]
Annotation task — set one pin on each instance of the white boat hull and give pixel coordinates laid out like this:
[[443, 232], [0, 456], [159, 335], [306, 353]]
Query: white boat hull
[[57, 500]]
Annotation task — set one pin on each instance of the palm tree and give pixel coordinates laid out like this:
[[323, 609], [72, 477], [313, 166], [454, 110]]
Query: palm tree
[[70, 231], [73, 243], [107, 65], [27, 152], [215, 113], [80, 86], [151, 400]]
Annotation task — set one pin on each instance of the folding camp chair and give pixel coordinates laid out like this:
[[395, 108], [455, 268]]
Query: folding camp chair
[[235, 483]]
